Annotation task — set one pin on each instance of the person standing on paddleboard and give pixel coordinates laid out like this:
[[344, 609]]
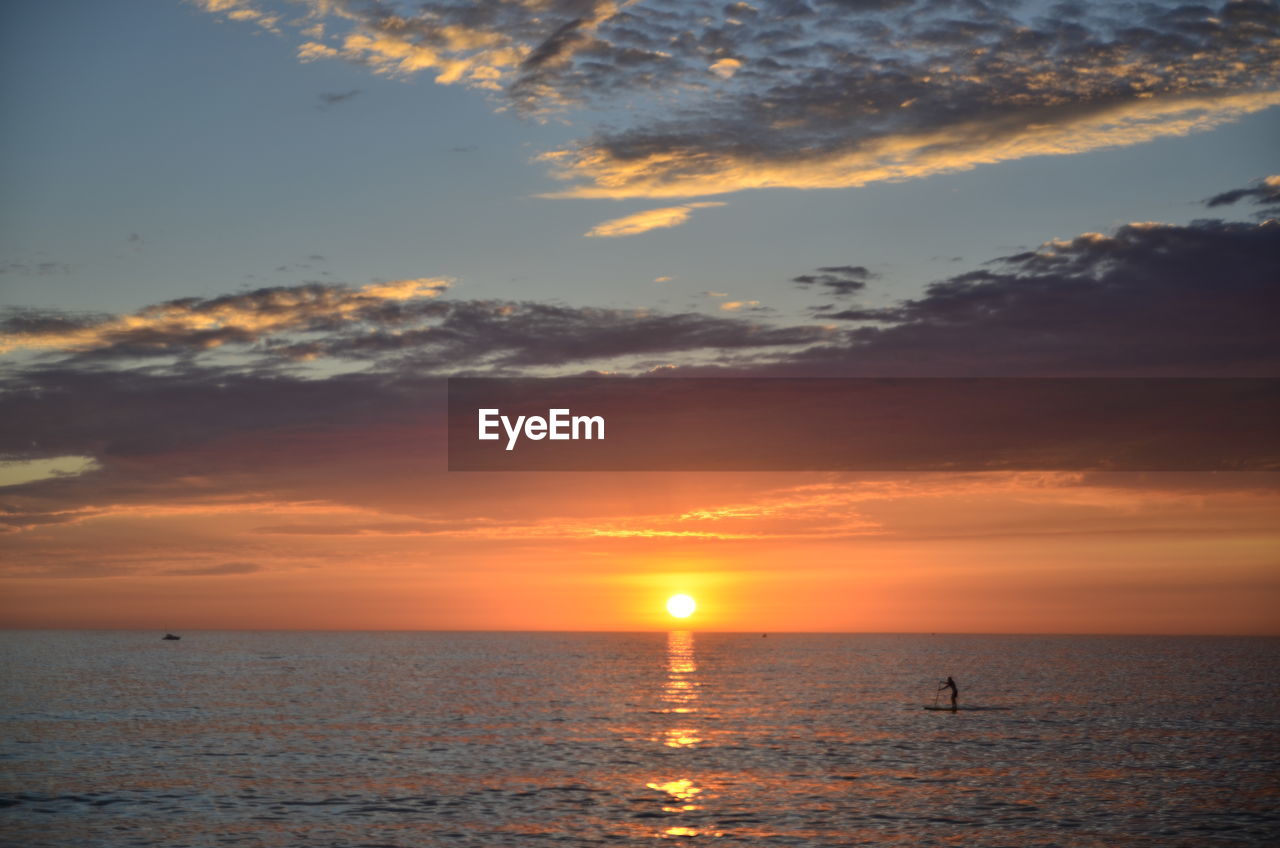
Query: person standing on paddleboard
[[955, 692]]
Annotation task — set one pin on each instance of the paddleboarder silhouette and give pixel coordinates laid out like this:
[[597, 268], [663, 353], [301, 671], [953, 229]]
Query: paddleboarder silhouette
[[955, 691]]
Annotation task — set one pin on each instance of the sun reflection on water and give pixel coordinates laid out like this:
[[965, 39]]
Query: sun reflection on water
[[682, 831], [680, 692], [680, 699], [682, 792]]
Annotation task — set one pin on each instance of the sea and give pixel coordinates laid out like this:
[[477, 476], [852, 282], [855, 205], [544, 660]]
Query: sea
[[410, 739]]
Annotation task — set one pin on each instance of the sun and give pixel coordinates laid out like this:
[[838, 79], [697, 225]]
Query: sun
[[681, 606]]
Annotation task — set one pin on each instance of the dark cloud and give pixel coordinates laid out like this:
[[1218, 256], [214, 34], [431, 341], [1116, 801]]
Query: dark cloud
[[69, 568], [18, 322], [329, 99], [35, 269], [838, 280], [556, 45], [213, 570], [507, 335], [63, 567], [400, 322], [1149, 299], [1266, 194]]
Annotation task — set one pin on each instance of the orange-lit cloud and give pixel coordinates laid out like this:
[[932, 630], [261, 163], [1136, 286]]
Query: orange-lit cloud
[[888, 97], [484, 51], [212, 322], [242, 11], [396, 320], [899, 156], [650, 219], [725, 68]]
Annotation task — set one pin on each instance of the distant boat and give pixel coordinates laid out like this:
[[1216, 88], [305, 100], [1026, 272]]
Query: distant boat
[[169, 637]]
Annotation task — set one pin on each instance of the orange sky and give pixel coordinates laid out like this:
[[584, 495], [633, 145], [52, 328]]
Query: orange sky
[[1020, 552]]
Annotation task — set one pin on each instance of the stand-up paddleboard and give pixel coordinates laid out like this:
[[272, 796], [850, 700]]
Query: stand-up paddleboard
[[943, 709]]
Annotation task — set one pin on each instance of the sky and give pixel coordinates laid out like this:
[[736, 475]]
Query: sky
[[242, 245]]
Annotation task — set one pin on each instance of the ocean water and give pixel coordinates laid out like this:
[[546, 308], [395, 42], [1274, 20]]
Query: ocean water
[[503, 739]]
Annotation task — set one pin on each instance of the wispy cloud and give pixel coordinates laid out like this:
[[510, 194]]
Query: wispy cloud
[[203, 324], [839, 280], [1266, 193], [329, 99], [700, 159], [403, 324], [35, 269], [221, 570], [650, 219], [244, 11]]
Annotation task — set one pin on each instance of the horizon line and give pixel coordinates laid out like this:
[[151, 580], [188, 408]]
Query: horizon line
[[639, 632]]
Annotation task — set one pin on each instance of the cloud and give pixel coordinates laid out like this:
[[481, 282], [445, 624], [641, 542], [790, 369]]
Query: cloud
[[725, 68], [329, 99], [1148, 299], [714, 157], [839, 280], [194, 324], [35, 269], [242, 11], [1266, 193], [735, 305], [502, 335], [222, 570], [401, 325], [519, 46], [643, 222], [819, 94]]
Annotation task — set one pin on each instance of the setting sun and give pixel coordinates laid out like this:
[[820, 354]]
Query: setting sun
[[681, 606]]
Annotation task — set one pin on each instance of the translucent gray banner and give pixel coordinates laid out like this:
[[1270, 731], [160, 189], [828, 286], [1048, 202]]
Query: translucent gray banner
[[944, 424]]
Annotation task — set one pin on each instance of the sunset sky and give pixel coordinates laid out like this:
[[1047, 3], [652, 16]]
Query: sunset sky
[[242, 245]]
